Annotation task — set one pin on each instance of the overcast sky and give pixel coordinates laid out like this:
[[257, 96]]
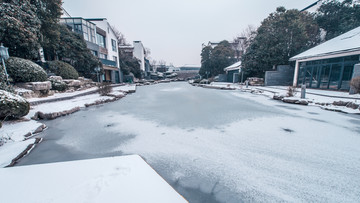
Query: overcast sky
[[175, 30]]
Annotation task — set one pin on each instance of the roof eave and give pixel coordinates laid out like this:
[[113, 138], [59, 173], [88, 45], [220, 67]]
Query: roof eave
[[327, 55]]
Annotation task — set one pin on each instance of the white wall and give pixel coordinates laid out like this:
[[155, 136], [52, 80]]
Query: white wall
[[139, 53], [109, 35]]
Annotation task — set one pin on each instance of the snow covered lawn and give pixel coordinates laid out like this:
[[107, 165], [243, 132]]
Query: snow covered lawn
[[16, 131], [125, 88], [66, 105], [13, 134], [313, 96], [114, 179], [12, 150], [62, 95]]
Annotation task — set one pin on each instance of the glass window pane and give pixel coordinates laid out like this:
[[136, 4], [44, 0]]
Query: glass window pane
[[347, 74], [324, 78], [301, 79], [77, 21], [308, 76], [335, 76]]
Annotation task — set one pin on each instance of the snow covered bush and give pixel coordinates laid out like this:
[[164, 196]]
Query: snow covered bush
[[58, 85], [12, 105], [65, 70], [22, 70], [355, 83], [3, 84]]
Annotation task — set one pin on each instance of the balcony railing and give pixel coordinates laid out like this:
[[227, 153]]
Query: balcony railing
[[108, 62]]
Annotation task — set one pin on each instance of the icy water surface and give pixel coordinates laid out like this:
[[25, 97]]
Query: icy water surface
[[218, 146]]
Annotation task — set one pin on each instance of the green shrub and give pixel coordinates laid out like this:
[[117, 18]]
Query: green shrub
[[12, 105], [22, 70], [355, 83], [58, 85], [65, 70]]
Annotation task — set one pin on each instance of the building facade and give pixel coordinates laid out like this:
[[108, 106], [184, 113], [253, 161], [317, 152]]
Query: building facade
[[329, 65], [101, 40], [139, 53]]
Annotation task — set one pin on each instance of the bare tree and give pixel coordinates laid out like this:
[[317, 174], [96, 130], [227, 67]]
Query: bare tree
[[245, 38], [147, 52], [162, 63], [120, 37]]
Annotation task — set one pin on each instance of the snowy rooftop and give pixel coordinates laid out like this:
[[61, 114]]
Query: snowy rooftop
[[235, 66], [114, 179], [191, 66], [345, 43]]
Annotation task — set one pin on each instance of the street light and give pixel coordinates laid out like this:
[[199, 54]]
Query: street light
[[97, 70], [4, 55]]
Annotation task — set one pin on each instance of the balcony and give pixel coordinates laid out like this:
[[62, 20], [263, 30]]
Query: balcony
[[108, 62]]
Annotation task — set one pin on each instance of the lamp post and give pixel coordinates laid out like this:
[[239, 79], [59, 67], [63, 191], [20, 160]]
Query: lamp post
[[4, 55], [97, 70]]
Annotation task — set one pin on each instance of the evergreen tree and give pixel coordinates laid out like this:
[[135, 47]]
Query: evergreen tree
[[214, 60], [49, 13], [337, 17], [205, 60], [280, 36], [73, 49], [19, 28]]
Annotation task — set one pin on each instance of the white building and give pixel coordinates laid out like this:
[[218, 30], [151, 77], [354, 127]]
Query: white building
[[330, 65], [139, 53], [108, 49]]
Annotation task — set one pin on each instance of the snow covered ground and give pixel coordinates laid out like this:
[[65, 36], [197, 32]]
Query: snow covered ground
[[13, 133], [62, 95], [231, 146], [11, 150], [314, 96], [114, 179]]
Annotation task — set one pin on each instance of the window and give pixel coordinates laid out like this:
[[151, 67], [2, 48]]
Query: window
[[94, 53], [100, 40], [113, 44], [102, 56], [78, 28], [115, 59]]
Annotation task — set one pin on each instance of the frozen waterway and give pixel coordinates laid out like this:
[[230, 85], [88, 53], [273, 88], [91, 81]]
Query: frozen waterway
[[218, 146]]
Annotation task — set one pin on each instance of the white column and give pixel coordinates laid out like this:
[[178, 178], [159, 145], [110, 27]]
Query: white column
[[296, 73]]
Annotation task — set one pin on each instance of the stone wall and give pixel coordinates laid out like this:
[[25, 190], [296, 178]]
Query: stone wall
[[282, 76]]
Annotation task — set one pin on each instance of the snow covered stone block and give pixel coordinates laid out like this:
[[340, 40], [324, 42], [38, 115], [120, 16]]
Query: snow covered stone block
[[112, 179], [55, 78], [295, 101], [73, 83], [12, 105], [40, 86]]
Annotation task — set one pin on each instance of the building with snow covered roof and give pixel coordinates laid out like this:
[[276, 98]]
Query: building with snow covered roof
[[108, 49], [190, 67], [233, 72], [330, 65]]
